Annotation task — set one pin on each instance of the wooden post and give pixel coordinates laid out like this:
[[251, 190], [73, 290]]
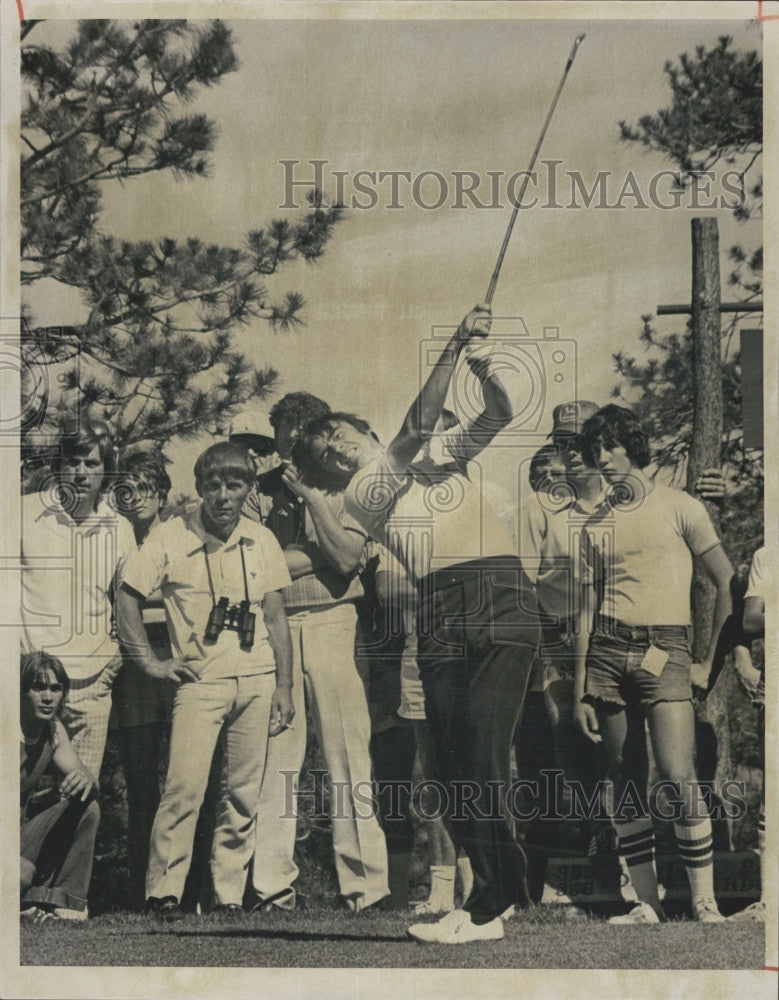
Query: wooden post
[[706, 445], [712, 717]]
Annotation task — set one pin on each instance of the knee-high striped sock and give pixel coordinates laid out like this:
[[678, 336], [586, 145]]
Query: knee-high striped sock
[[761, 844], [636, 841], [696, 849]]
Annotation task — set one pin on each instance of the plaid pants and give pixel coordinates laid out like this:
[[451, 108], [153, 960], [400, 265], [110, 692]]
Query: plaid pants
[[86, 712]]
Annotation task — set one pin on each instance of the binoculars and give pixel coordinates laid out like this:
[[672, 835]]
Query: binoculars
[[233, 617]]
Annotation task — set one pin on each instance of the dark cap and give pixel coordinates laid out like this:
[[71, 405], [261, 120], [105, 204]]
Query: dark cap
[[567, 418]]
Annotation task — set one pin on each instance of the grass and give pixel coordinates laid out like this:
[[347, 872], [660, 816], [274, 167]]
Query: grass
[[320, 937]]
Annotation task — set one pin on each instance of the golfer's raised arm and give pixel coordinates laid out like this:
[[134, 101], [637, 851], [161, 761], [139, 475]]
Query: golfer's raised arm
[[497, 413], [426, 408]]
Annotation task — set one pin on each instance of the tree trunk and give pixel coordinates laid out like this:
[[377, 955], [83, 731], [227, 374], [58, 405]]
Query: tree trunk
[[712, 718], [707, 398]]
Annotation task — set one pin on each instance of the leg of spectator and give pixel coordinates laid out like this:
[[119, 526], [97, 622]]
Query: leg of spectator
[[761, 816], [273, 868], [441, 852], [672, 727], [199, 710], [139, 749], [86, 713], [61, 842], [340, 712], [393, 751], [245, 743], [623, 732], [199, 887]]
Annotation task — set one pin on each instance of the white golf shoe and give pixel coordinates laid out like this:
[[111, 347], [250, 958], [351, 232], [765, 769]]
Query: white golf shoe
[[457, 928], [641, 914], [706, 911], [755, 913]]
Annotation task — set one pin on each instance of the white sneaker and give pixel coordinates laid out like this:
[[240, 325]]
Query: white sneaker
[[641, 914], [431, 907], [755, 912], [509, 914], [707, 912], [457, 928], [63, 913]]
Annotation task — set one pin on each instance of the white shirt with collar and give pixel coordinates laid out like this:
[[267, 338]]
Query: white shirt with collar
[[173, 559], [67, 572]]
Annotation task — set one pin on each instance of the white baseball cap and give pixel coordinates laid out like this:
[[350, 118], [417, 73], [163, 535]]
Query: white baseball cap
[[252, 424]]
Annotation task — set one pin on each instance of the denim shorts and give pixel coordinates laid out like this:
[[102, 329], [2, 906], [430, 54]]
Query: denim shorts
[[614, 664]]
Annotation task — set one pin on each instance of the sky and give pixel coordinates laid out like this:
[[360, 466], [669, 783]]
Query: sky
[[441, 96]]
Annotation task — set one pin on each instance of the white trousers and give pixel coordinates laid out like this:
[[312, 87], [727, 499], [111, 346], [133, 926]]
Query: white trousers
[[200, 710], [323, 650]]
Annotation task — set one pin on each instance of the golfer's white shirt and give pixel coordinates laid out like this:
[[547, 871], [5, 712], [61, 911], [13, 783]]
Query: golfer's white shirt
[[430, 517]]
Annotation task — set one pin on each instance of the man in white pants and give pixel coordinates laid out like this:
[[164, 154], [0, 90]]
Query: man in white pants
[[221, 577], [323, 547]]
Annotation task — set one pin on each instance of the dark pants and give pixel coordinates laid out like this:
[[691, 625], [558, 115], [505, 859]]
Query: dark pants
[[59, 842], [140, 748], [392, 753], [478, 638]]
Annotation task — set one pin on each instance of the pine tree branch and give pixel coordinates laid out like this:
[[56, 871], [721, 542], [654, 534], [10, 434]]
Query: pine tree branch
[[156, 346]]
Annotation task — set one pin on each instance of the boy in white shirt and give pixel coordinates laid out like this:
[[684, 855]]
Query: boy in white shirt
[[221, 577]]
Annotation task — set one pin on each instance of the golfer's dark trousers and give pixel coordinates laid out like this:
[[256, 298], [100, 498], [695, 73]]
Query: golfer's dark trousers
[[478, 637]]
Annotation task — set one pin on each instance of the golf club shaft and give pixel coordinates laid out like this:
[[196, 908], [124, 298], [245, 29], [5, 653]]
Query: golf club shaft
[[515, 212]]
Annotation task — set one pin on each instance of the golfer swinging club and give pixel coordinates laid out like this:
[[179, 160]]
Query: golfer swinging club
[[477, 620]]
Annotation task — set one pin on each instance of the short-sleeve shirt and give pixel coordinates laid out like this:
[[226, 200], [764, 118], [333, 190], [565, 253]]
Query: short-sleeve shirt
[[756, 584], [429, 516], [173, 559], [644, 547], [552, 552], [68, 574]]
